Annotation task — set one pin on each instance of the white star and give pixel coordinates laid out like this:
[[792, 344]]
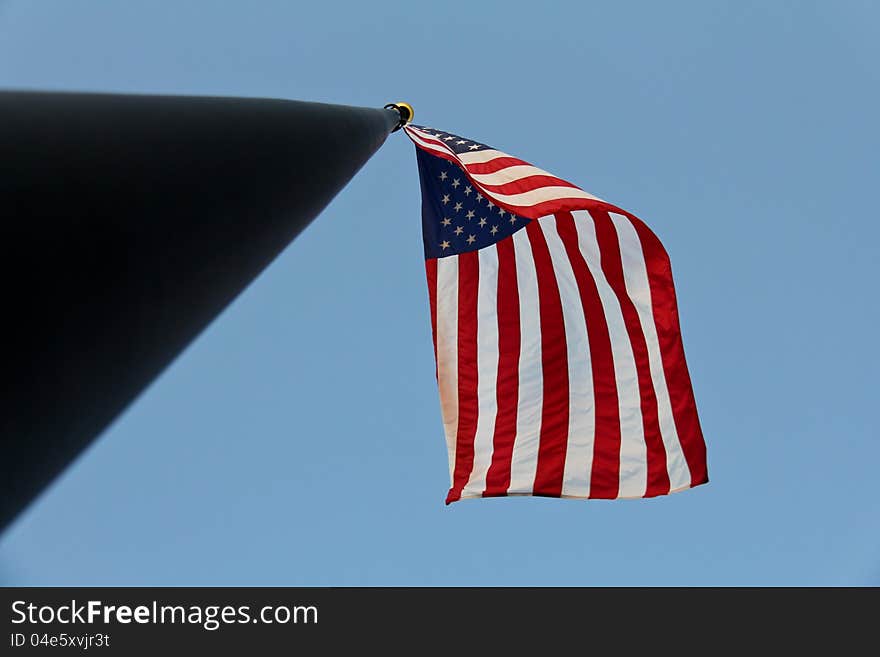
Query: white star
[[512, 219], [457, 207], [461, 141], [467, 190], [491, 204], [459, 230], [500, 212], [471, 239], [494, 230], [445, 199], [482, 221], [474, 147], [443, 175], [470, 214], [479, 197], [456, 183], [444, 245], [448, 138], [446, 221]]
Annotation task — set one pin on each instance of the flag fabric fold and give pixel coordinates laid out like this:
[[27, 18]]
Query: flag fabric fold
[[559, 356]]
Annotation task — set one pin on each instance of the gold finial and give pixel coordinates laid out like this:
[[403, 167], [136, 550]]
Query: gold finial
[[405, 111]]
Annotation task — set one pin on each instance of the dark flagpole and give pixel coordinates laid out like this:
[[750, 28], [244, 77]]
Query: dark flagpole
[[130, 222]]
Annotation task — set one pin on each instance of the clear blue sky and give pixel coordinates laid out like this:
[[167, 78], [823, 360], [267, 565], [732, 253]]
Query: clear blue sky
[[298, 441]]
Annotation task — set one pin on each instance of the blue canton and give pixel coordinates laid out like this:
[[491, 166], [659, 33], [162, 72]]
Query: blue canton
[[456, 217]]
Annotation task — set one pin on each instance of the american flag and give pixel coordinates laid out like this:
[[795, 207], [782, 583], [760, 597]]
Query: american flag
[[556, 336]]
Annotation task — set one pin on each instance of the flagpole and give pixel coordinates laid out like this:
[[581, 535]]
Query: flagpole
[[130, 223]]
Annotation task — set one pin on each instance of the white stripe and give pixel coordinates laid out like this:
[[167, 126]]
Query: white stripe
[[635, 275], [524, 460], [535, 196], [447, 351], [429, 142], [633, 451], [581, 399], [415, 130], [510, 174], [478, 157], [423, 137], [442, 150], [487, 370], [523, 200], [475, 157]]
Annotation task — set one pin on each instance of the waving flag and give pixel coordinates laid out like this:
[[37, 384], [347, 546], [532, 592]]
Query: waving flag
[[559, 356]]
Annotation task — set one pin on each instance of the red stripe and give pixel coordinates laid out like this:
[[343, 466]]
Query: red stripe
[[427, 138], [612, 266], [468, 283], [554, 367], [526, 184], [554, 206], [431, 271], [439, 148], [605, 475], [507, 384], [501, 162], [678, 380], [542, 209], [545, 208]]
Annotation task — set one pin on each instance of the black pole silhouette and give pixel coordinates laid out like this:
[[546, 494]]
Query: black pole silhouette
[[129, 224]]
